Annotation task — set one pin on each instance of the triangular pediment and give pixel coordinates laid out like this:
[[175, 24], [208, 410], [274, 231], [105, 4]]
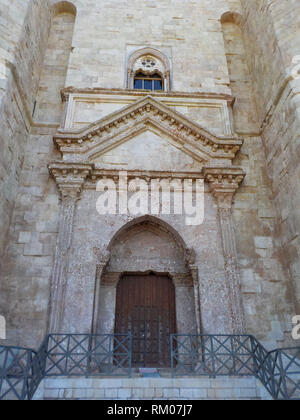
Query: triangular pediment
[[149, 150], [146, 115]]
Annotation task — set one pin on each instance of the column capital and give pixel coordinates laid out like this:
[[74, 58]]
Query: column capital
[[224, 182], [70, 177]]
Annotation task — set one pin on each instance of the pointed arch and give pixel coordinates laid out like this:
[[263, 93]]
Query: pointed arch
[[144, 248], [160, 65], [155, 222], [64, 7], [244, 108], [49, 107], [232, 17]]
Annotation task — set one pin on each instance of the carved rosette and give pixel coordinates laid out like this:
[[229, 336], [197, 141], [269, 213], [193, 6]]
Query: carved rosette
[[224, 182], [70, 179]]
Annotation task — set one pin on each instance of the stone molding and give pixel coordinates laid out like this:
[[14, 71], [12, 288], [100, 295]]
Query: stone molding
[[66, 92], [181, 279]]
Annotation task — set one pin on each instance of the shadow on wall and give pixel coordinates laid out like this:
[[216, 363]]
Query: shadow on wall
[[49, 105], [244, 109]]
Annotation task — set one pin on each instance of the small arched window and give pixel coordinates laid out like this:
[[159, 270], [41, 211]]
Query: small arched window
[[148, 82], [148, 69]]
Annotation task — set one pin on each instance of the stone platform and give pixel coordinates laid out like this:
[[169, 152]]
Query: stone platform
[[201, 388]]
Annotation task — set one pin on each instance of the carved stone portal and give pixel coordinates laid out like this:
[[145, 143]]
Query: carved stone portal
[[78, 148]]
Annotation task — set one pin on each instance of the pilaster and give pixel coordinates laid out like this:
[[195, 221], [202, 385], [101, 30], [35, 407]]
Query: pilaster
[[224, 182], [70, 179]]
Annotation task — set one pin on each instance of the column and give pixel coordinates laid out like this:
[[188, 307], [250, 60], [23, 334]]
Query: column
[[195, 275], [70, 179], [102, 262], [224, 183]]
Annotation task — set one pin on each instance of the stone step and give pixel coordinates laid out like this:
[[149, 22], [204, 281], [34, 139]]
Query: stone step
[[201, 388]]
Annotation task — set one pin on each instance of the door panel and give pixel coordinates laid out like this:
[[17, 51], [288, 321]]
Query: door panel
[[146, 307]]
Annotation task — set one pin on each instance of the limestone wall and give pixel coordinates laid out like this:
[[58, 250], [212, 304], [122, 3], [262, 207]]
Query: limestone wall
[[185, 31], [55, 66], [272, 33], [23, 32], [190, 34]]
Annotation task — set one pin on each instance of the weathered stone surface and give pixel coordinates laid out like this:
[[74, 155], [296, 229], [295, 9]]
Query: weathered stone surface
[[231, 68]]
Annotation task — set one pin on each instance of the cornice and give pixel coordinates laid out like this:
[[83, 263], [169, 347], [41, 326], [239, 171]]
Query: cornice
[[66, 92], [97, 174]]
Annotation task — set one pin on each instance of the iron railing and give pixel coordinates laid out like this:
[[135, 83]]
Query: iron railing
[[211, 355], [18, 373], [88, 355], [237, 355], [22, 370], [279, 372]]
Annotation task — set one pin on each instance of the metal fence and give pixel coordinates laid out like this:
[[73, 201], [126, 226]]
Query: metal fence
[[211, 355], [88, 355], [21, 370], [237, 355], [17, 373], [279, 372]]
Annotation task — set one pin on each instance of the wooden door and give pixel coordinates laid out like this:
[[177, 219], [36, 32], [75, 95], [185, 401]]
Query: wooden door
[[145, 307]]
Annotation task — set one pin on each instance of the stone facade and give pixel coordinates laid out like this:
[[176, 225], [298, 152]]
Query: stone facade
[[228, 115]]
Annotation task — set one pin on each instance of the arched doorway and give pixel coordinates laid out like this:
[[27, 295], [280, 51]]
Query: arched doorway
[[148, 262], [145, 307]]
